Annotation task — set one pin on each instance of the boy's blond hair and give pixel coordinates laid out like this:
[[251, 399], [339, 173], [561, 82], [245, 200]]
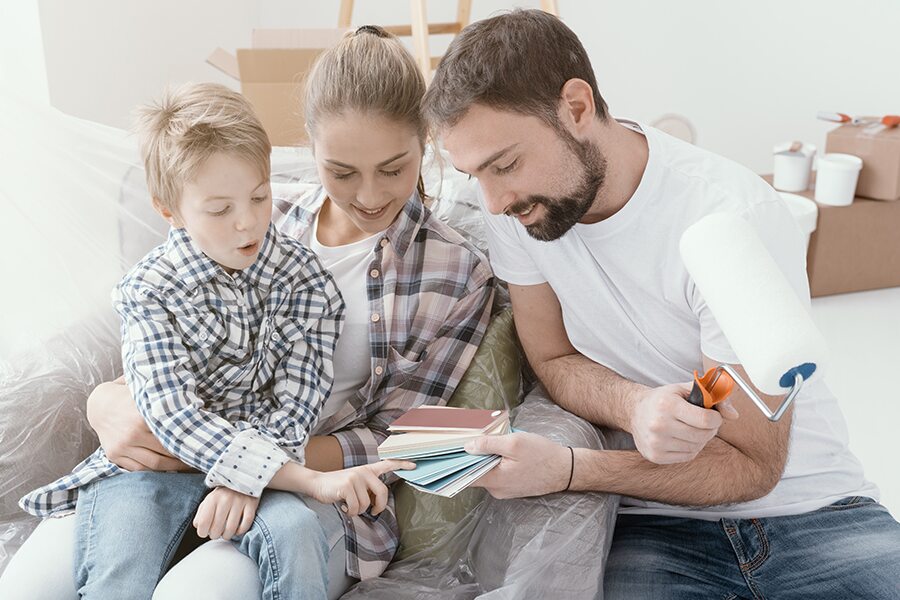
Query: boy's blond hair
[[190, 124]]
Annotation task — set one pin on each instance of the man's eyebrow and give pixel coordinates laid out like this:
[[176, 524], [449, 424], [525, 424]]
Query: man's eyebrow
[[379, 165], [493, 157]]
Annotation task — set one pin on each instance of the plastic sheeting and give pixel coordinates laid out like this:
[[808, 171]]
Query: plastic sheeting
[[552, 546], [76, 216]]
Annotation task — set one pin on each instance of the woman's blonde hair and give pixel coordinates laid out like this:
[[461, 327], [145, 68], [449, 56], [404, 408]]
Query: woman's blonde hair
[[190, 124], [369, 71]]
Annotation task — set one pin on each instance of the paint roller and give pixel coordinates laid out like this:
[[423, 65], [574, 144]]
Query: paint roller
[[763, 319]]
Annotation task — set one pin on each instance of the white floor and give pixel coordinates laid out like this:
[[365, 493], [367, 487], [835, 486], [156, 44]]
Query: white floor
[[863, 332]]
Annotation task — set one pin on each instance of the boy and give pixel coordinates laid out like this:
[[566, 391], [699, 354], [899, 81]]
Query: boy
[[228, 332]]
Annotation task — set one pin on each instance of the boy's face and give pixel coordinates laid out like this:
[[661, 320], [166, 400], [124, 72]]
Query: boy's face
[[226, 209]]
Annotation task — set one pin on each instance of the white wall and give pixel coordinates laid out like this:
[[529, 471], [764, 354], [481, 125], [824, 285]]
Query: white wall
[[104, 57], [748, 74]]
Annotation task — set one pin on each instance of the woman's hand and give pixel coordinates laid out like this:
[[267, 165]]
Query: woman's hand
[[358, 487], [124, 434], [225, 513]]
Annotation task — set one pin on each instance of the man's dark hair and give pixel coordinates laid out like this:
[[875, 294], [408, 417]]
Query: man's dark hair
[[517, 61]]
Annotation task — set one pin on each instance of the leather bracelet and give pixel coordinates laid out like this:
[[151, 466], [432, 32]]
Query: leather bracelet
[[571, 469]]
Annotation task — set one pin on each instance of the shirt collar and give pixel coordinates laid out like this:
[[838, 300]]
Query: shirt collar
[[194, 268], [400, 233]]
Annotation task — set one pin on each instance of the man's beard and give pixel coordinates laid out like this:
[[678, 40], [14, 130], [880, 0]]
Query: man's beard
[[561, 214]]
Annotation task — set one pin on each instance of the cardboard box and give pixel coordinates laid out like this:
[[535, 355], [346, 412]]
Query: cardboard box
[[879, 148], [272, 74], [854, 248]]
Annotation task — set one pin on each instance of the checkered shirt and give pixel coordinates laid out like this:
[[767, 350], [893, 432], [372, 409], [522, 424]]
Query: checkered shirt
[[230, 372], [430, 295]]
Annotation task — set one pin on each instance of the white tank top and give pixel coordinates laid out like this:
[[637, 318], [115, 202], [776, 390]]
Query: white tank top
[[352, 357]]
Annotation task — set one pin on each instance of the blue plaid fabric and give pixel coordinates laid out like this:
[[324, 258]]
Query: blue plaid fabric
[[430, 295], [229, 371]]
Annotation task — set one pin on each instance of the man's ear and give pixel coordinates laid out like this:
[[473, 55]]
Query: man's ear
[[165, 213], [576, 104]]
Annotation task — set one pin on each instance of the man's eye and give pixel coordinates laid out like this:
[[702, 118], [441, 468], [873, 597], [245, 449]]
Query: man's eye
[[341, 175], [507, 168]]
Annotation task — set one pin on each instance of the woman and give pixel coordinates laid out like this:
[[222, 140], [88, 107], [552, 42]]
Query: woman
[[418, 301]]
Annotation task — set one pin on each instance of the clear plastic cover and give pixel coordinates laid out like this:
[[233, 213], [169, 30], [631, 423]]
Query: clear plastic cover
[[552, 546]]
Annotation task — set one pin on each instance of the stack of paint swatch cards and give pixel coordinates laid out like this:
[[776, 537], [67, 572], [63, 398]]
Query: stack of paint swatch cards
[[433, 437]]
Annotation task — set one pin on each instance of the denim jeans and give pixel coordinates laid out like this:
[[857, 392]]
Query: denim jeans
[[129, 526], [850, 549]]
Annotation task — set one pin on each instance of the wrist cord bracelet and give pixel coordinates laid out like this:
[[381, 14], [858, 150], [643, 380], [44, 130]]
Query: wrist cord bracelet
[[571, 469]]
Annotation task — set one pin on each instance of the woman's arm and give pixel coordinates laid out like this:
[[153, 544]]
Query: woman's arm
[[129, 443]]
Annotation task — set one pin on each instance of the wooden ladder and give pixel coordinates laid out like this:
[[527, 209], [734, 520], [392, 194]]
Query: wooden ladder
[[419, 29]]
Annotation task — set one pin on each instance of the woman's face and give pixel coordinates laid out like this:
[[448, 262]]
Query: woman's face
[[368, 165]]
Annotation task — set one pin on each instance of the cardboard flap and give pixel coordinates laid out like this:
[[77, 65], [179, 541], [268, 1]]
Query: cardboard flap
[[225, 62], [271, 65], [296, 38]]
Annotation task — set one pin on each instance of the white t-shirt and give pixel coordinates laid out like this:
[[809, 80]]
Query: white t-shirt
[[349, 265], [628, 303]]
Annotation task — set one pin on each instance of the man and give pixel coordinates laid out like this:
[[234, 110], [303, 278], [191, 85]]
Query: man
[[584, 214]]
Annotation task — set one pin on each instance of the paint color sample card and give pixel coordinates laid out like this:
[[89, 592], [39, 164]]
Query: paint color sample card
[[446, 419], [435, 441]]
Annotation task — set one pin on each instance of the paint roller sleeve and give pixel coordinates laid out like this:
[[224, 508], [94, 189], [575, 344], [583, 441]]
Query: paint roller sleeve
[[767, 325]]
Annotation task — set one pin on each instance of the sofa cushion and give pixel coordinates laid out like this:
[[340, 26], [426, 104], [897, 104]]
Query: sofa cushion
[[491, 381]]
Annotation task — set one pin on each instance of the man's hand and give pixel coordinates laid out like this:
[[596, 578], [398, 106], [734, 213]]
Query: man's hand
[[124, 434], [358, 487], [531, 465], [225, 513], [667, 429]]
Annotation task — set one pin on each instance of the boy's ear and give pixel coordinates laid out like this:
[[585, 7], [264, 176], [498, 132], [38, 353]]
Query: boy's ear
[[165, 213]]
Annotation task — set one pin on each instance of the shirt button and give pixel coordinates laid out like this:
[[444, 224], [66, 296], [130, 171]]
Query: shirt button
[[374, 273], [276, 335], [375, 317], [203, 335], [384, 242], [379, 370]]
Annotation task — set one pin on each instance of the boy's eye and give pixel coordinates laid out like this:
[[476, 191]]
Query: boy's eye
[[507, 168], [259, 199], [219, 213]]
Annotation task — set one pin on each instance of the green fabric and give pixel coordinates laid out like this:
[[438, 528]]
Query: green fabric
[[493, 380]]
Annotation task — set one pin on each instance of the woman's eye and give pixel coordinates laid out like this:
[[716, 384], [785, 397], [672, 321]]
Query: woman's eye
[[507, 168], [391, 173]]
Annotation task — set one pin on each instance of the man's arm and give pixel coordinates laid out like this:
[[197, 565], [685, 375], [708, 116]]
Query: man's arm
[[744, 462], [666, 429]]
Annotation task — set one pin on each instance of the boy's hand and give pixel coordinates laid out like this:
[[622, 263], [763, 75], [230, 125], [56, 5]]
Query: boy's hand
[[358, 487], [225, 514]]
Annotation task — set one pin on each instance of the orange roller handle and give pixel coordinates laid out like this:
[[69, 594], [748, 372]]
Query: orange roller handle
[[710, 389]]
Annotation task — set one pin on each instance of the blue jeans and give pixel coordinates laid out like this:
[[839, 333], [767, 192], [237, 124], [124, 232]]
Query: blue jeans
[[850, 549], [129, 527]]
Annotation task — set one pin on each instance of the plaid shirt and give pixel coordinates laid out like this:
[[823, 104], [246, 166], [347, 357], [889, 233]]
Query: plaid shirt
[[430, 295], [229, 372]]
